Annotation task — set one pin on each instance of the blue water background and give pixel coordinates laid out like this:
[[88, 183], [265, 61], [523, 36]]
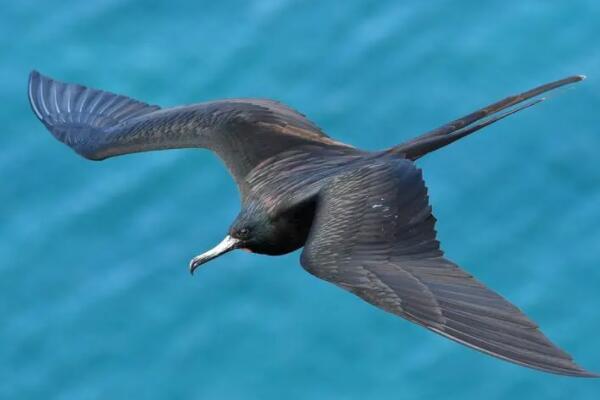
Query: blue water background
[[95, 298]]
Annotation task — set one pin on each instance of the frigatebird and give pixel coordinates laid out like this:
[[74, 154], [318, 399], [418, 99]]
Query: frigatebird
[[363, 218]]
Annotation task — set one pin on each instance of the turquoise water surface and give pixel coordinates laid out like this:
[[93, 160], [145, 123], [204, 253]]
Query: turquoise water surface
[[96, 300]]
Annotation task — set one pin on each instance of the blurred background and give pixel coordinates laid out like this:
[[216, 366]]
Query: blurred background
[[95, 297]]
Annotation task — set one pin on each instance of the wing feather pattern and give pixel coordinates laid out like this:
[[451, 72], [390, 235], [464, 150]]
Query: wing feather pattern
[[374, 235], [99, 124]]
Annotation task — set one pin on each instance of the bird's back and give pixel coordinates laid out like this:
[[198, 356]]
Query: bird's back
[[296, 176]]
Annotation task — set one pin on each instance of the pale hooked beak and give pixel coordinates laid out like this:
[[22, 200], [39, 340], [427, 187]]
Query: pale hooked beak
[[226, 245]]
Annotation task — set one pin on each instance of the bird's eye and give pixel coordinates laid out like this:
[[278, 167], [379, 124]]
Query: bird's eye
[[244, 232]]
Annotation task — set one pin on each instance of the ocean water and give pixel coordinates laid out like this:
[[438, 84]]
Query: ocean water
[[95, 298]]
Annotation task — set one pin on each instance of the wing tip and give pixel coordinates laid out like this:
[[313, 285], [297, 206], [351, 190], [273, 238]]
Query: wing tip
[[580, 372], [34, 78], [575, 373]]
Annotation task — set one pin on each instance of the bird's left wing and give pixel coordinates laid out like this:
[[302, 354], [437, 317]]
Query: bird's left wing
[[373, 235]]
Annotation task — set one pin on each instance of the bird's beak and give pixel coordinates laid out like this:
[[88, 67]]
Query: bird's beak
[[226, 245]]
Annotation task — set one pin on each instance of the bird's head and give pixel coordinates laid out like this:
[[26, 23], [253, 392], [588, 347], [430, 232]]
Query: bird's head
[[250, 231]]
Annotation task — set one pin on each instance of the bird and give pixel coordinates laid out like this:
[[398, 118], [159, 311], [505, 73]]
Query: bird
[[363, 218]]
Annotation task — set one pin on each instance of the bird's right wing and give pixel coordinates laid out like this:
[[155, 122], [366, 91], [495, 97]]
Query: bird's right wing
[[373, 235], [98, 125]]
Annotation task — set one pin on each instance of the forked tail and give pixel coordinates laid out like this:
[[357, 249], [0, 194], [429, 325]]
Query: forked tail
[[464, 126]]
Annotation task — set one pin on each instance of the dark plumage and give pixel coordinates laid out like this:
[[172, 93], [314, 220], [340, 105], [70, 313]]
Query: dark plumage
[[363, 218]]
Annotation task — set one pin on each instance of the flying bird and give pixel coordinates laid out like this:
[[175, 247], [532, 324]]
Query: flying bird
[[363, 218]]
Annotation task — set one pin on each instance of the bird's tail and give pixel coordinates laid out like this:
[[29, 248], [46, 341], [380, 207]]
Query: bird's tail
[[464, 126]]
